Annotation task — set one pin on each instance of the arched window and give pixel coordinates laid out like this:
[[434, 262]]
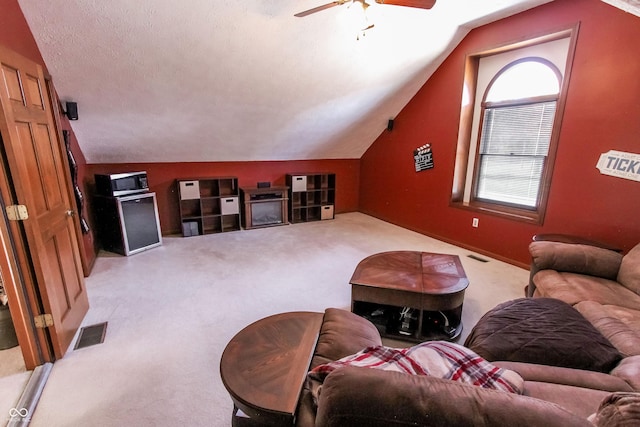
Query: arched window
[[518, 112], [511, 111]]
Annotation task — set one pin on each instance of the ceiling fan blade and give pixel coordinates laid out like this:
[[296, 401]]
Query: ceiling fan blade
[[422, 4], [318, 9]]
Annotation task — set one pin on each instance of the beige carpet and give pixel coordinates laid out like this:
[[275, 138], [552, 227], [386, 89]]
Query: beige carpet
[[13, 379], [171, 310], [12, 385]]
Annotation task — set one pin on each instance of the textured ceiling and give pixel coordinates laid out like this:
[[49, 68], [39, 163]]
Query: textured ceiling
[[221, 80], [631, 6]]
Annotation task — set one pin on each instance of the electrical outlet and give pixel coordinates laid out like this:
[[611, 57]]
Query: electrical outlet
[[474, 222]]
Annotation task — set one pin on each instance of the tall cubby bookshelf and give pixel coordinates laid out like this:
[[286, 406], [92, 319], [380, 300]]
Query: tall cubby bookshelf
[[312, 196], [209, 205]]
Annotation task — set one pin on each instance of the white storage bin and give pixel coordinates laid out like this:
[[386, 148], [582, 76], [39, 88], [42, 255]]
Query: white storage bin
[[189, 190], [298, 183], [229, 206], [327, 212]]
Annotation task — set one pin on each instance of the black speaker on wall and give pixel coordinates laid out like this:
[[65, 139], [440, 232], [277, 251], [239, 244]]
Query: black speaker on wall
[[390, 125], [72, 110]]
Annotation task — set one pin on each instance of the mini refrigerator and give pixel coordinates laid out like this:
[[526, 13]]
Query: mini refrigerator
[[128, 224]]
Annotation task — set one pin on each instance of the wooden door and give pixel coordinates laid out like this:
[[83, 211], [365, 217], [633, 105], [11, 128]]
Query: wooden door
[[39, 177]]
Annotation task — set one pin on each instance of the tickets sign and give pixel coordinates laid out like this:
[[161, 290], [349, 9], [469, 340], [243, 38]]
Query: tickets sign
[[620, 164]]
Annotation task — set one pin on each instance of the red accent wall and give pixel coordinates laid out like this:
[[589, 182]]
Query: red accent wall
[[162, 180], [602, 113], [16, 35]]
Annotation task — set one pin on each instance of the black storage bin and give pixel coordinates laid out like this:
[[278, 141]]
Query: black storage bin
[[8, 338]]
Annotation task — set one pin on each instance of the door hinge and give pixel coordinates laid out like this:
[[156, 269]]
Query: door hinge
[[43, 320], [17, 212]]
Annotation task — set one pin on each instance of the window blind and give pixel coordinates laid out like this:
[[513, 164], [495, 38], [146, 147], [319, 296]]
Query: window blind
[[514, 144]]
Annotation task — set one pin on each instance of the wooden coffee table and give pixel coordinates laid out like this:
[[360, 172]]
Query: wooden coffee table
[[431, 284], [265, 365]]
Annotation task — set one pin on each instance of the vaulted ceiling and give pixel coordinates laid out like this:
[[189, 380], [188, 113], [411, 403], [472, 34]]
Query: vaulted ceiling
[[222, 80]]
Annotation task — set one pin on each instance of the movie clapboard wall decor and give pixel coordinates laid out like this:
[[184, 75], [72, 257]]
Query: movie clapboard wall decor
[[423, 158]]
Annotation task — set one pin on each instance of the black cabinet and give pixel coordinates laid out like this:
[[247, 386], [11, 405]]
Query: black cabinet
[[128, 224]]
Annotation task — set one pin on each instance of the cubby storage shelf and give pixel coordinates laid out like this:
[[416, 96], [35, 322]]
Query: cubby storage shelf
[[209, 205], [311, 196]]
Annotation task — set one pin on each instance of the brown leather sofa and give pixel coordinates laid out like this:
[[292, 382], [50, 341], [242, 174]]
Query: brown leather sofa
[[602, 284], [553, 396]]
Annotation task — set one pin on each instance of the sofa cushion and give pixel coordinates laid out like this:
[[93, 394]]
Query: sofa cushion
[[619, 325], [573, 288], [354, 396], [544, 331], [577, 400], [567, 376], [629, 273]]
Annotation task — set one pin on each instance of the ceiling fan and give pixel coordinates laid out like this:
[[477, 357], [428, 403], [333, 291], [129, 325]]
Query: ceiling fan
[[421, 4]]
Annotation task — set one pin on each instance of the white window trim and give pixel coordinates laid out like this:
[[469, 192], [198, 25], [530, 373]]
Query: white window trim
[[464, 139], [555, 51]]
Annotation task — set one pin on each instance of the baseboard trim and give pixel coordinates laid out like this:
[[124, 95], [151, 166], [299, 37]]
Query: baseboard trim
[[21, 414], [456, 243]]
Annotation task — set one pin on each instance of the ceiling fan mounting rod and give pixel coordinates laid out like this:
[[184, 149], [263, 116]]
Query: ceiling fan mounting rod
[[421, 4]]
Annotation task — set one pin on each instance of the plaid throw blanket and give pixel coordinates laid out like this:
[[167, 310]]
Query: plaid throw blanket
[[439, 359]]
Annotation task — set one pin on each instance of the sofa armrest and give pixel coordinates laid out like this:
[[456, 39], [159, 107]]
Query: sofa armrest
[[361, 396], [575, 258], [576, 240], [343, 333], [629, 370]]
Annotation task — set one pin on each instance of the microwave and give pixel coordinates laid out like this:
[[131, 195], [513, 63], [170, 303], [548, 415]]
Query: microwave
[[121, 184]]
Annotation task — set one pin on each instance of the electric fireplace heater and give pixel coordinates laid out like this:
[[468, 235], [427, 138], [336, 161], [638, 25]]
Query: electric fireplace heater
[[265, 207]]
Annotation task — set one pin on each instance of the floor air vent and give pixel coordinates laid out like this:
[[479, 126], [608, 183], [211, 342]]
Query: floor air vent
[[91, 335], [477, 258]]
